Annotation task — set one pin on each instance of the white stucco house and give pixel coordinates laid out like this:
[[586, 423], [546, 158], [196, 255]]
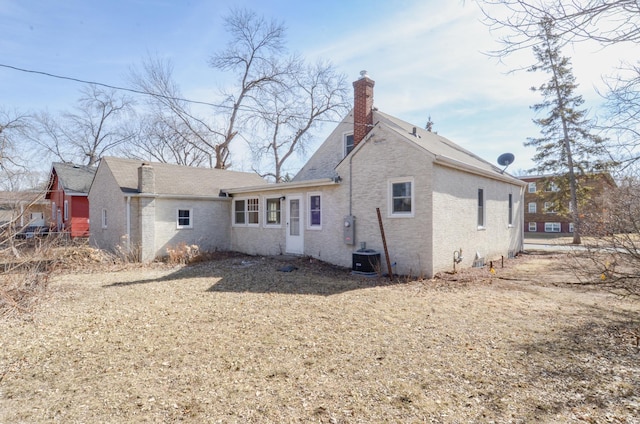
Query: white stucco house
[[434, 198], [146, 208]]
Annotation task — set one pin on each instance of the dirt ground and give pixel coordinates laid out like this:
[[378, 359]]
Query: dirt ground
[[236, 340]]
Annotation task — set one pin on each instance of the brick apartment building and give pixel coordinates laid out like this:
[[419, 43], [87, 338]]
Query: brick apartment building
[[540, 216]]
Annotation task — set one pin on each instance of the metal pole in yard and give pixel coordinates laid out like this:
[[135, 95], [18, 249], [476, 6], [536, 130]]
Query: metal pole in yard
[[384, 244]]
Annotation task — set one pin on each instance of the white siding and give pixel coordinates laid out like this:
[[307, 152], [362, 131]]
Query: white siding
[[210, 221], [455, 214], [105, 194]]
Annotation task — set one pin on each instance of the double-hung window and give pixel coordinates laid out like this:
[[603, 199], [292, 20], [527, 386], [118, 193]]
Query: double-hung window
[[246, 211], [552, 227], [533, 207], [66, 210], [184, 218], [533, 227], [315, 211], [401, 197], [532, 187], [272, 211]]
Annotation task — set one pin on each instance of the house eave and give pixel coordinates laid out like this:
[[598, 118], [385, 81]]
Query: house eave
[[282, 186], [452, 163], [175, 196]]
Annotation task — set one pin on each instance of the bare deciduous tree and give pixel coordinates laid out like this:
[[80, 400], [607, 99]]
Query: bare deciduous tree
[[612, 261], [287, 113], [14, 172], [254, 55], [98, 125], [604, 21], [171, 118], [166, 139]]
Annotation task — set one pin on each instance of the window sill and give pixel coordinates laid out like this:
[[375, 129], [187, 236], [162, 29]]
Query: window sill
[[481, 228]]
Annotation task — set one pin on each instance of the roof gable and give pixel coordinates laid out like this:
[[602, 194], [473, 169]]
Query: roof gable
[[180, 180], [330, 154], [74, 179]]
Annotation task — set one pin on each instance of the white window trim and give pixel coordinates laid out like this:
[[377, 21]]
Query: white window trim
[[550, 224], [104, 218], [390, 183], [571, 227], [53, 211], [309, 226], [535, 227], [246, 212], [182, 227], [66, 210], [531, 186], [279, 198], [535, 207]]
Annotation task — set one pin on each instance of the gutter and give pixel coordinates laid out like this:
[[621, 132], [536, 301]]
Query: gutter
[[282, 186], [174, 196]]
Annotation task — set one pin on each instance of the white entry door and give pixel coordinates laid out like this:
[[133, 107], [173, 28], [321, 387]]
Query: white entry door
[[295, 225]]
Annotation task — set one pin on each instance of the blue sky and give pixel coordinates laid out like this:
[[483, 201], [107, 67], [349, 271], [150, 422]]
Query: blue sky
[[426, 56]]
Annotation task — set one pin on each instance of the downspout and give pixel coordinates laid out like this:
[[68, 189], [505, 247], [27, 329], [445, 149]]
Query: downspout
[[350, 184], [128, 224]]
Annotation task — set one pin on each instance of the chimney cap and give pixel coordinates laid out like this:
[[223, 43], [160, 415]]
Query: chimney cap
[[363, 74]]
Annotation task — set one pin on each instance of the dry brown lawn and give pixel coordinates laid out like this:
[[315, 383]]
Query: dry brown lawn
[[234, 340]]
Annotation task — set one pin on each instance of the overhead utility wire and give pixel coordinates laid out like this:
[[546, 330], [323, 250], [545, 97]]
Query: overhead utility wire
[[115, 87], [132, 90]]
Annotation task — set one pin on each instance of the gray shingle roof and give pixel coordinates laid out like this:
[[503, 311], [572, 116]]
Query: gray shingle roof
[[323, 163], [74, 178], [179, 180], [435, 143]]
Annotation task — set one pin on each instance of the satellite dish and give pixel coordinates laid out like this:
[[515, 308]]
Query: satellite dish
[[505, 160]]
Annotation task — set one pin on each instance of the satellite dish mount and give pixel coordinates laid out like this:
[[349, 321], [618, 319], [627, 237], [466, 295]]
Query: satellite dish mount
[[505, 160]]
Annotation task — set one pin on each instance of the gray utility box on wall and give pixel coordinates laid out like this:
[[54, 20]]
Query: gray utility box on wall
[[366, 262], [349, 229]]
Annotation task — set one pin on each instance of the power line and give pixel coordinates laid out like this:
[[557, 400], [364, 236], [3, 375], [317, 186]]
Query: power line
[[115, 87], [131, 90]]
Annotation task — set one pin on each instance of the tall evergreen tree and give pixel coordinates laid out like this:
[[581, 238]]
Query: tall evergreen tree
[[566, 148]]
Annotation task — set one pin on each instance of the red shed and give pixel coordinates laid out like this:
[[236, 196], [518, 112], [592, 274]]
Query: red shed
[[68, 191]]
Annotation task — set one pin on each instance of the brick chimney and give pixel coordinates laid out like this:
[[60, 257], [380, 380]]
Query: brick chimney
[[362, 107], [146, 179]]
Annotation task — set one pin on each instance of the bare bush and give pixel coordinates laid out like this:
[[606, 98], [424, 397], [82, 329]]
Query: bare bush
[[182, 253], [612, 259]]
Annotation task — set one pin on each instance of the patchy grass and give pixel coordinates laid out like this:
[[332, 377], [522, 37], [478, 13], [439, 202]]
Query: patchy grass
[[236, 340]]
